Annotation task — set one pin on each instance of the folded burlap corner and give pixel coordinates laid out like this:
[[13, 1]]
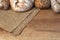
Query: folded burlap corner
[[21, 26], [9, 20], [14, 22]]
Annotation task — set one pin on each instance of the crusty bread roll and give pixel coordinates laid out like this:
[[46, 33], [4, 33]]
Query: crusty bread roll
[[58, 1], [21, 5], [4, 4], [55, 4], [42, 3]]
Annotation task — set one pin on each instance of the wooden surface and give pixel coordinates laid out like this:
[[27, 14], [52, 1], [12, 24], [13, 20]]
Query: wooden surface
[[46, 20], [34, 30]]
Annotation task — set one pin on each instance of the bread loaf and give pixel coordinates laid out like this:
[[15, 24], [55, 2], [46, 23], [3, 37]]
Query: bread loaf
[[21, 5], [42, 3], [55, 4], [4, 4]]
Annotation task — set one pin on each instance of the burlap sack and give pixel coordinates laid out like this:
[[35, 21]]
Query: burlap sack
[[42, 3], [15, 22], [9, 20], [21, 27]]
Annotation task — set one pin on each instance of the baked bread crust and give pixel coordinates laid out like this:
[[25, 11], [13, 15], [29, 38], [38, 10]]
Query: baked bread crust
[[4, 4], [42, 3], [55, 4], [21, 5]]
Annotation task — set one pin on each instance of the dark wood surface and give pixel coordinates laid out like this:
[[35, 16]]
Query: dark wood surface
[[46, 20]]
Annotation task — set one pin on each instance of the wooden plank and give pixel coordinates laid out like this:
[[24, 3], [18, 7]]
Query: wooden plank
[[46, 20]]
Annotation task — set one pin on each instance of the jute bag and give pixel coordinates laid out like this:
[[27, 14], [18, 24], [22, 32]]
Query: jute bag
[[55, 4], [21, 5], [14, 22], [9, 20], [21, 27], [4, 4], [42, 3]]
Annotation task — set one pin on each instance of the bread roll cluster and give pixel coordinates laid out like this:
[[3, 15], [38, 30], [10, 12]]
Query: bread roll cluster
[[25, 5], [17, 5]]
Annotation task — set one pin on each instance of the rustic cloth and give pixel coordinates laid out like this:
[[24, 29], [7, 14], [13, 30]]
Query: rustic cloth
[[9, 20], [15, 22], [20, 28]]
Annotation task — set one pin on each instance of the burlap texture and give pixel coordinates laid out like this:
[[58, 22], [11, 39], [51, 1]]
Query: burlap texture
[[20, 28], [9, 20]]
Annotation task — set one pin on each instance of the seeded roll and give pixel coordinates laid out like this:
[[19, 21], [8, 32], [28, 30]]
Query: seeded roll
[[42, 3]]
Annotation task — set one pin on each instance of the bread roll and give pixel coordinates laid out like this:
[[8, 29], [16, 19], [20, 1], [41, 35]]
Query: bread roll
[[55, 4], [21, 5], [4, 4], [58, 1], [42, 3]]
